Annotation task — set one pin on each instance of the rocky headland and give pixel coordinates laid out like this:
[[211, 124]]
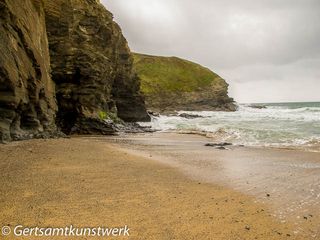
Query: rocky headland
[[173, 84]]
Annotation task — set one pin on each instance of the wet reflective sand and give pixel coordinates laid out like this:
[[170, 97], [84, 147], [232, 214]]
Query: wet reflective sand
[[287, 180]]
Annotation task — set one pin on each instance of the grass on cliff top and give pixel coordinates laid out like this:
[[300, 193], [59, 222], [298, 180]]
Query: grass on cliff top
[[173, 74]]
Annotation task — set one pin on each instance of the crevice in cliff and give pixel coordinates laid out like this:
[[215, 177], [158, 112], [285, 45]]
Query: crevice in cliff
[[66, 120], [28, 119], [128, 99], [68, 113]]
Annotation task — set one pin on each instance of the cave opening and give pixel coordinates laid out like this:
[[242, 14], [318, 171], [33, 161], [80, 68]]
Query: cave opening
[[67, 100], [66, 120]]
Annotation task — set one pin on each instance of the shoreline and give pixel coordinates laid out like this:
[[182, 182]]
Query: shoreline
[[210, 136], [86, 181]]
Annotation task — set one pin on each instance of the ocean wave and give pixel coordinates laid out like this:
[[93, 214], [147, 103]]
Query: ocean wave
[[270, 126]]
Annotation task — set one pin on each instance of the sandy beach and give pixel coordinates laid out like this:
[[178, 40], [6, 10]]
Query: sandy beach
[[163, 186], [159, 120]]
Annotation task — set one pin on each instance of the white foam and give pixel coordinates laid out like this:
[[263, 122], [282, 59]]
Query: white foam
[[271, 126]]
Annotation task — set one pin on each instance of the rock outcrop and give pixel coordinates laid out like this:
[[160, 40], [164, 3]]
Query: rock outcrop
[[84, 84], [172, 84], [27, 93], [91, 66]]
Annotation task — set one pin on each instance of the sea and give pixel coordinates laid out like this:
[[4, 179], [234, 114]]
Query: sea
[[284, 125]]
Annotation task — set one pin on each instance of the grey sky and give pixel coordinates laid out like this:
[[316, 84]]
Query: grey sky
[[267, 50]]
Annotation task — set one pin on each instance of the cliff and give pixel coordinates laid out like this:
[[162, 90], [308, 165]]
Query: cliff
[[64, 63], [91, 66], [171, 83], [27, 92]]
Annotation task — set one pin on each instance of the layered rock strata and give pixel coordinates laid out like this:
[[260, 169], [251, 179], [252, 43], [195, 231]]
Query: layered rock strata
[[27, 92], [92, 67], [84, 84]]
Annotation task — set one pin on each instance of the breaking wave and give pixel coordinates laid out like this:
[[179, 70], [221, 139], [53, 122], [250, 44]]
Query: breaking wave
[[278, 125]]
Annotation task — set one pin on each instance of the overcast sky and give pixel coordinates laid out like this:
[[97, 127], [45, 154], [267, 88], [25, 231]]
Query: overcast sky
[[267, 50]]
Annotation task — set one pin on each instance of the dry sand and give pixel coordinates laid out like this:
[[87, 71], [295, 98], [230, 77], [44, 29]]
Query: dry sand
[[87, 183]]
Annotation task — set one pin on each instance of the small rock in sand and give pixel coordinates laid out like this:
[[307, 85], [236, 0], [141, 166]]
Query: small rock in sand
[[223, 144], [221, 148]]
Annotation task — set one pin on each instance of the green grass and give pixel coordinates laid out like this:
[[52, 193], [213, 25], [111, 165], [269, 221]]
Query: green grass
[[103, 115], [172, 74], [109, 116]]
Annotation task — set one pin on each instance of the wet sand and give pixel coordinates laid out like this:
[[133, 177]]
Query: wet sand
[[158, 185], [287, 180]]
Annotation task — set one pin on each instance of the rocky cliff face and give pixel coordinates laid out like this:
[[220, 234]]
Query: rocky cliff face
[[91, 66], [172, 84], [87, 74], [27, 93]]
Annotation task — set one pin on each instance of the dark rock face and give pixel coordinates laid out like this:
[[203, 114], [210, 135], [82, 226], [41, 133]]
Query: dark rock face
[[27, 93], [92, 82], [91, 66]]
